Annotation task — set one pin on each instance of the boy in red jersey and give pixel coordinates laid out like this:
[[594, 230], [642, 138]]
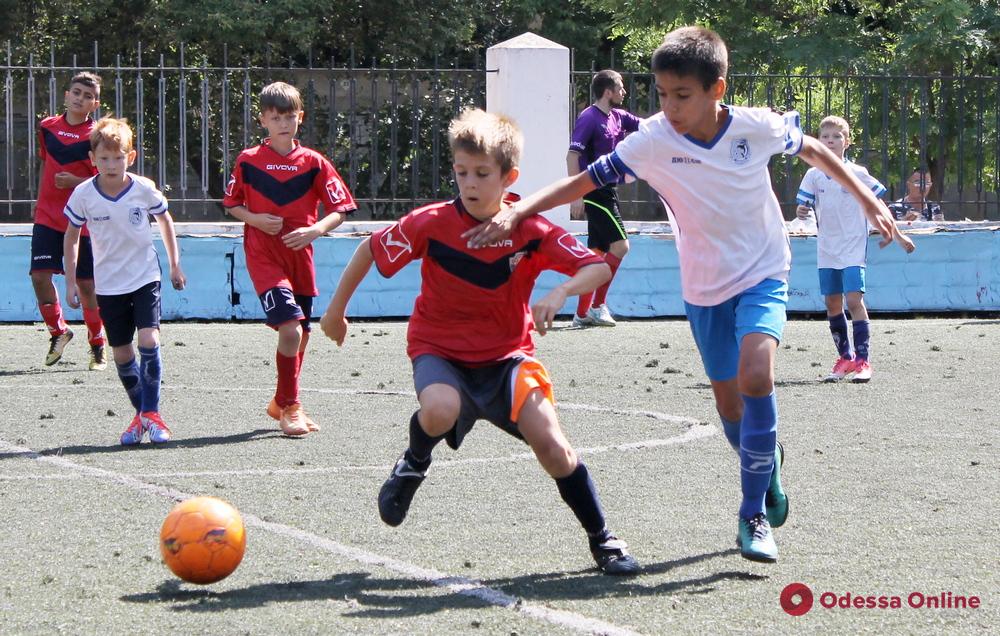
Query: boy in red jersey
[[470, 333], [274, 190], [64, 144]]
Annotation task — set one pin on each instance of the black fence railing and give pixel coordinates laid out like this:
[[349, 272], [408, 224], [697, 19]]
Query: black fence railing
[[947, 125], [386, 128]]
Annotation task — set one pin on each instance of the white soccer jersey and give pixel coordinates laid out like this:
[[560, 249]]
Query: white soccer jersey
[[729, 228], [842, 236], [120, 236]]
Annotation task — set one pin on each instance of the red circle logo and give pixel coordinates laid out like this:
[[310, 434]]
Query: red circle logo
[[796, 599]]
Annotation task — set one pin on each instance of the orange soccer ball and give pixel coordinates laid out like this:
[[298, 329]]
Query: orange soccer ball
[[202, 540]]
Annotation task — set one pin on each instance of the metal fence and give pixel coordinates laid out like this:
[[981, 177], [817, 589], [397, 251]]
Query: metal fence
[[385, 128], [947, 125]]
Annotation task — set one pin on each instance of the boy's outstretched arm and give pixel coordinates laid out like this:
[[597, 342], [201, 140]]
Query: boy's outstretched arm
[[555, 194], [816, 154], [587, 279], [334, 321]]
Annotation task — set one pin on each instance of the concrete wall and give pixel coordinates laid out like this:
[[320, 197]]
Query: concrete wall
[[950, 271]]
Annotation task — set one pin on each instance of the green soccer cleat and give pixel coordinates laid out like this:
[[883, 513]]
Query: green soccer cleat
[[755, 540], [775, 499]]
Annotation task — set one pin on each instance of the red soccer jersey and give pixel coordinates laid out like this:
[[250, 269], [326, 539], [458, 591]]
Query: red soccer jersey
[[473, 305], [62, 147], [290, 186]]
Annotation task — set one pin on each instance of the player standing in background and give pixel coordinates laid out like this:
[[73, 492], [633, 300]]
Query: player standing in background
[[275, 190], [116, 205], [598, 130], [64, 147], [841, 250]]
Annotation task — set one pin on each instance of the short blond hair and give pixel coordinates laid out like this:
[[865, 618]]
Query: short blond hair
[[477, 132], [112, 133], [836, 122]]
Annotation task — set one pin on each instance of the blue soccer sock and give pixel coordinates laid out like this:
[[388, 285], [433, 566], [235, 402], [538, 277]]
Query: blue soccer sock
[[578, 491], [758, 434], [862, 336], [732, 431], [149, 378], [838, 327], [128, 373], [421, 444]]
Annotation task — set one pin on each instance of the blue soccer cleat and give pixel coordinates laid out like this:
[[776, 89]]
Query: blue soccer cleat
[[153, 424], [612, 557], [775, 499], [133, 434], [755, 540]]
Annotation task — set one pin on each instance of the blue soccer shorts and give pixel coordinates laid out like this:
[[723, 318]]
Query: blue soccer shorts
[[718, 330], [833, 282]]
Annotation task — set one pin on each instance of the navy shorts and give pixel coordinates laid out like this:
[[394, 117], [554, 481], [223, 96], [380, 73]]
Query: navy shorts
[[47, 253], [604, 221], [488, 393], [281, 305], [124, 313]]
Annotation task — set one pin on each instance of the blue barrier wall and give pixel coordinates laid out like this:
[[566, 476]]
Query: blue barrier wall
[[950, 271]]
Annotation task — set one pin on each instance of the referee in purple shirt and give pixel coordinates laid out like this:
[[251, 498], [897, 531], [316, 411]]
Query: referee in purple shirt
[[598, 129]]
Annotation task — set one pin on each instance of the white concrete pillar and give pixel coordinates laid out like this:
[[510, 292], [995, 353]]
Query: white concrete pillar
[[528, 79]]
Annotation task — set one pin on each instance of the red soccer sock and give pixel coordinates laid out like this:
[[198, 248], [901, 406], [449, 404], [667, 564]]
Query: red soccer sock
[[52, 315], [583, 304], [602, 292], [95, 328], [288, 379]]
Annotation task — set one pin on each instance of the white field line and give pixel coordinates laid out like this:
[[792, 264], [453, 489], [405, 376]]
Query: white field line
[[697, 431], [456, 584]]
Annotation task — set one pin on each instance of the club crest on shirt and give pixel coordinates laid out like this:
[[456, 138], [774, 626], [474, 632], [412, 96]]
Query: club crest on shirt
[[135, 216], [395, 243], [569, 243], [740, 150], [515, 259], [229, 186], [335, 188]]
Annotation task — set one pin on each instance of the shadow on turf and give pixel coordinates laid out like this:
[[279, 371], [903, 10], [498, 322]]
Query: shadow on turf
[[191, 442], [590, 583], [366, 597], [45, 371]]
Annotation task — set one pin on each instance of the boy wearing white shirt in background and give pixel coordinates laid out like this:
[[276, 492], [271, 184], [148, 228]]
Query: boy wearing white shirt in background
[[116, 205], [841, 251]]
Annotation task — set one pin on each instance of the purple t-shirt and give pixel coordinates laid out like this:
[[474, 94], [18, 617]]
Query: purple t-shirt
[[596, 134]]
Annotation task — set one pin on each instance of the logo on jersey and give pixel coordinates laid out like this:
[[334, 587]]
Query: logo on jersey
[[229, 186], [281, 166], [63, 133], [569, 243], [740, 151], [335, 188], [684, 160], [515, 259], [135, 216], [395, 243]]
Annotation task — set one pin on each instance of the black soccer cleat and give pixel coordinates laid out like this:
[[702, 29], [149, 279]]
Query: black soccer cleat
[[397, 492], [612, 557]]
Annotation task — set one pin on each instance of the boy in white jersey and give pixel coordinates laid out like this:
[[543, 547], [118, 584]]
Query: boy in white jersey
[[116, 205], [841, 249], [708, 161]]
